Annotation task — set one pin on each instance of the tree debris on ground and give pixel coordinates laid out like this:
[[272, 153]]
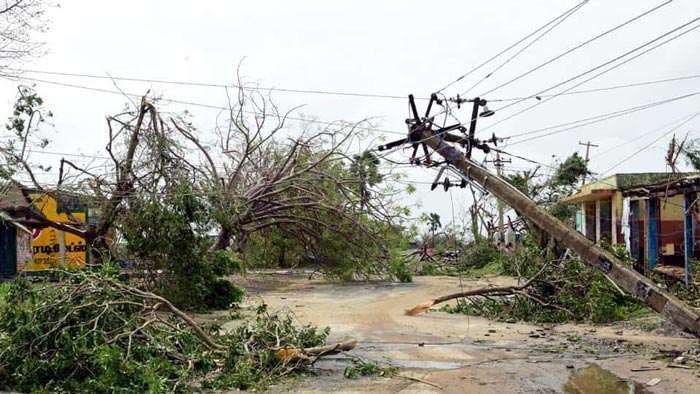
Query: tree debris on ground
[[92, 333], [551, 291]]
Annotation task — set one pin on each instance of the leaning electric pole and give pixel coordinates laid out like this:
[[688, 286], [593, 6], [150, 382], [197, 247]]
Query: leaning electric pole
[[499, 163], [422, 133]]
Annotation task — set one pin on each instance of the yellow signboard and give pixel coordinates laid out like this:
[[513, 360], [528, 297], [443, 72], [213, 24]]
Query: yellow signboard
[[52, 248]]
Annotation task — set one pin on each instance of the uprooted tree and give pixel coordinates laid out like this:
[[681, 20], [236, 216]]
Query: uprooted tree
[[294, 194]]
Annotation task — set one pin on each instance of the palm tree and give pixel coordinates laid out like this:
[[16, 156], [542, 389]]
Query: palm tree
[[434, 223], [366, 167]]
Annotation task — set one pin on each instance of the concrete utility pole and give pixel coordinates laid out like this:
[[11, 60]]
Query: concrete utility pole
[[588, 150], [633, 282], [499, 164]]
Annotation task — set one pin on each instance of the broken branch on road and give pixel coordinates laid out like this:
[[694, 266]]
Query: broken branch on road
[[484, 291]]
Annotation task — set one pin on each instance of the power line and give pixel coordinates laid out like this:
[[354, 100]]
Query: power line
[[513, 45], [579, 46], [522, 158], [100, 90], [595, 119], [599, 67], [608, 88], [571, 12], [651, 143], [642, 136], [211, 85]]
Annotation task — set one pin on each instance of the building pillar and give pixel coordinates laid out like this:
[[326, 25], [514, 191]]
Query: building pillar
[[652, 233], [597, 220], [688, 232], [583, 218], [613, 220]]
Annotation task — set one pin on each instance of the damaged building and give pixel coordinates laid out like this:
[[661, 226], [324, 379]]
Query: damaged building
[[654, 215]]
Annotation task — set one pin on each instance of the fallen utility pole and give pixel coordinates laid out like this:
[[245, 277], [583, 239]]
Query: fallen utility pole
[[633, 282], [421, 133]]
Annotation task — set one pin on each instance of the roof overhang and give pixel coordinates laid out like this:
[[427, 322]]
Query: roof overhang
[[590, 195], [688, 184]]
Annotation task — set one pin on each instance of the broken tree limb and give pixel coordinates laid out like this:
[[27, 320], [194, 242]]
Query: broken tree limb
[[331, 349], [505, 290], [415, 379], [294, 354], [633, 282]]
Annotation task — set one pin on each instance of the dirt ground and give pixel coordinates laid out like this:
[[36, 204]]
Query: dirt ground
[[454, 353]]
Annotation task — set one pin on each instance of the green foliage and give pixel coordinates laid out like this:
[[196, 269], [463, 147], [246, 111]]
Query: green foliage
[[169, 233], [479, 254], [362, 368], [24, 126], [342, 254], [433, 221], [691, 152], [365, 167], [345, 236], [225, 262], [399, 268], [77, 337], [490, 269], [249, 363], [689, 293], [620, 252], [91, 333], [521, 180], [570, 171], [567, 291], [274, 248]]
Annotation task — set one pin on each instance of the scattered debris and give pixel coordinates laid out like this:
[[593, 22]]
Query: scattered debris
[[678, 366], [680, 360], [289, 353], [645, 369], [415, 379], [505, 290]]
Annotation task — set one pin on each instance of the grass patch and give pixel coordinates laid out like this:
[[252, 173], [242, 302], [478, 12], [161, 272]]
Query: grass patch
[[364, 368], [491, 269]]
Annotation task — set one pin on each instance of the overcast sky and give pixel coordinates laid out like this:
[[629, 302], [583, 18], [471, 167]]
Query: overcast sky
[[379, 47]]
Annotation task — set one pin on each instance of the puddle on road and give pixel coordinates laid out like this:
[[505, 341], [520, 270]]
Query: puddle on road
[[596, 380]]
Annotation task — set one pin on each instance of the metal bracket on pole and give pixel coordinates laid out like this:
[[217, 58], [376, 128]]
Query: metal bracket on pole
[[464, 179]]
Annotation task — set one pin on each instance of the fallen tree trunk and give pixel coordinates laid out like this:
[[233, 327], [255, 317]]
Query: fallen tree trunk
[[633, 282]]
